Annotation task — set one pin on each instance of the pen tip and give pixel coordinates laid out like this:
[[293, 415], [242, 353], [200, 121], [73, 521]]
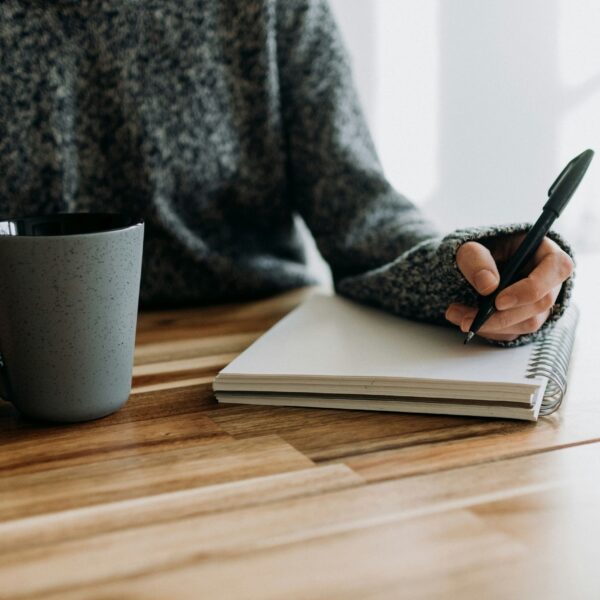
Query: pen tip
[[469, 337]]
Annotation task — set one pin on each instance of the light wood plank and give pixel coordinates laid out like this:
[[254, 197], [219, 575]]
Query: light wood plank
[[53, 528], [365, 563], [166, 386], [219, 564], [190, 348], [176, 370], [134, 476]]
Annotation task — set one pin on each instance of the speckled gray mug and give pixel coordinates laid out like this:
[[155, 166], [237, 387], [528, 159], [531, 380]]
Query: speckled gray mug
[[69, 291]]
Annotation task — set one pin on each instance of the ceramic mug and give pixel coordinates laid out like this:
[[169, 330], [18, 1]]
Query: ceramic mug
[[69, 292]]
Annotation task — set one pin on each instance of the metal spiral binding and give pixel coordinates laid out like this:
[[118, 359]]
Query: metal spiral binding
[[550, 360]]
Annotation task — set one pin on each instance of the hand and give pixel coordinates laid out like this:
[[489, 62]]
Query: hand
[[522, 307]]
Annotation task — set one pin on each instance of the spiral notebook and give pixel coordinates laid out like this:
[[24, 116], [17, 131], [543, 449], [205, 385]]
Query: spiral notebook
[[332, 352]]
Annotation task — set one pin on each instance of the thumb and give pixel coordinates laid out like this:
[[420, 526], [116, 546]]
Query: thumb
[[478, 266]]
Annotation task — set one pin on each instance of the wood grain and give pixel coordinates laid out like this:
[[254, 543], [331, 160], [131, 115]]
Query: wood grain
[[134, 476], [474, 521], [52, 447], [51, 528], [176, 496]]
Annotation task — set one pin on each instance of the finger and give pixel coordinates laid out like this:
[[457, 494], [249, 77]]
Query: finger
[[454, 315], [500, 337], [552, 270], [502, 320], [456, 312], [478, 266], [529, 325], [547, 246]]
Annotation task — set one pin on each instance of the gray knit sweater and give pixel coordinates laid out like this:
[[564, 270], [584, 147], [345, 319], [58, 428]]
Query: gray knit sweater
[[217, 121]]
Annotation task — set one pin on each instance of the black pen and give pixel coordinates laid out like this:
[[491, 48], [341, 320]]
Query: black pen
[[559, 195]]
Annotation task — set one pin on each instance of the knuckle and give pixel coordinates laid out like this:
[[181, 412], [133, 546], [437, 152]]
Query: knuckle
[[546, 302], [534, 291], [533, 323], [565, 265], [504, 320]]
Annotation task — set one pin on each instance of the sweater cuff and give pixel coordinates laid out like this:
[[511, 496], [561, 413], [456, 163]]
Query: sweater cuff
[[456, 239]]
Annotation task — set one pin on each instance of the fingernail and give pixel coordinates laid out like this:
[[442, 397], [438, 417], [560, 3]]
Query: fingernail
[[465, 324], [485, 281], [504, 302]]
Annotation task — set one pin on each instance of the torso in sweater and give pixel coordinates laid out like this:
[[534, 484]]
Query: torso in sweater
[[169, 110]]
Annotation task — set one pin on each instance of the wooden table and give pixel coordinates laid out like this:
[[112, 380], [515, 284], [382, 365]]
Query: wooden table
[[178, 497]]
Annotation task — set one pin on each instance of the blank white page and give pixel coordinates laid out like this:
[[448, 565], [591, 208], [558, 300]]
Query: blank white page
[[330, 336]]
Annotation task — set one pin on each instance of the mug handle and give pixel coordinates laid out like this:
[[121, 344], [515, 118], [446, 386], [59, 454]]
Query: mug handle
[[4, 383]]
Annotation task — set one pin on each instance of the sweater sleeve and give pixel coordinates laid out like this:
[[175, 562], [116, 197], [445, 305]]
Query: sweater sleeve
[[380, 248]]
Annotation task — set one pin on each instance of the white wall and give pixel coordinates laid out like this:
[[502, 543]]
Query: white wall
[[476, 105]]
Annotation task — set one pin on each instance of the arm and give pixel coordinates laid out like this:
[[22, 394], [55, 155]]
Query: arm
[[380, 248], [335, 180]]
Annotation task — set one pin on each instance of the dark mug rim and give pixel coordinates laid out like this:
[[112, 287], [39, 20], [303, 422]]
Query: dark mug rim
[[55, 225]]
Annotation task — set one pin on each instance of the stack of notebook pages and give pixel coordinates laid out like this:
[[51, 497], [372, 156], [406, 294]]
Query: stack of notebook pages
[[332, 352]]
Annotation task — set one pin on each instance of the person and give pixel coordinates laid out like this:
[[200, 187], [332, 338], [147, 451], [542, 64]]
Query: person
[[219, 123]]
